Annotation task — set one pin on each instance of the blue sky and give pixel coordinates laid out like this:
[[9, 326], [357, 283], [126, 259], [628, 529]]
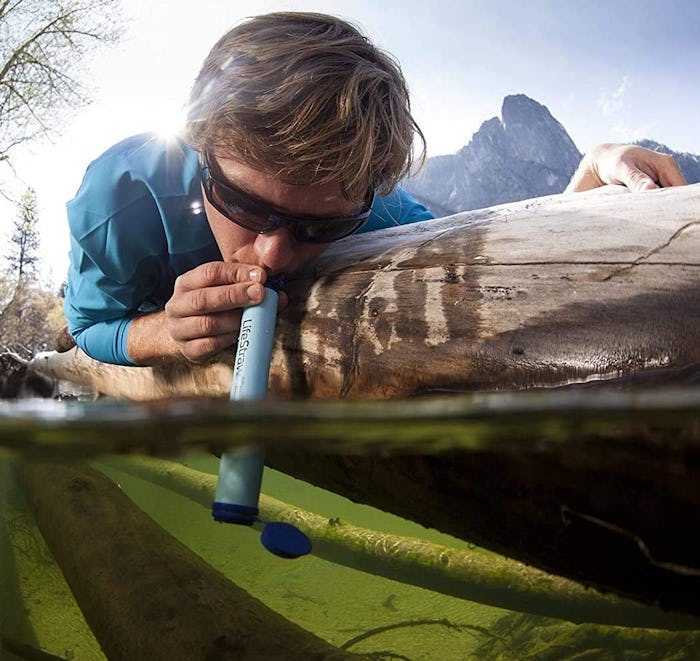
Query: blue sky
[[608, 71]]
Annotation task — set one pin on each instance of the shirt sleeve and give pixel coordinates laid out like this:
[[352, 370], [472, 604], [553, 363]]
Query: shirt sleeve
[[99, 322], [116, 258], [397, 208]]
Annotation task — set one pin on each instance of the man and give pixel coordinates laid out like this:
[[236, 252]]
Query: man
[[297, 134], [295, 122]]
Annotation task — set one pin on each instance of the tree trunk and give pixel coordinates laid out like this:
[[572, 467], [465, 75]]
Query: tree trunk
[[543, 293], [547, 292]]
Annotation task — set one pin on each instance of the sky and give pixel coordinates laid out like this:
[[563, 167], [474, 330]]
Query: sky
[[608, 70]]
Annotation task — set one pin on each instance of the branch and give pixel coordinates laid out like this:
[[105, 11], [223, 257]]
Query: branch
[[16, 357]]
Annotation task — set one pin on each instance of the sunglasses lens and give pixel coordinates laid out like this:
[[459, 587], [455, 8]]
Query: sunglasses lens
[[317, 231], [249, 213], [242, 212]]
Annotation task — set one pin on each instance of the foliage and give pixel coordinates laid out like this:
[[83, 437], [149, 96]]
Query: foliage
[[43, 44], [24, 241], [30, 317], [30, 313]]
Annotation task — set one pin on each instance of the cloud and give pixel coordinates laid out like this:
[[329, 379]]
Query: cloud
[[632, 133], [613, 103]]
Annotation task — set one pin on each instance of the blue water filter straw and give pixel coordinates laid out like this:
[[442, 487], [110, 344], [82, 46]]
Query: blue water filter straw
[[241, 471]]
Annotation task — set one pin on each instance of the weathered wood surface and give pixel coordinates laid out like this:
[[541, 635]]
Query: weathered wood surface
[[145, 595], [541, 293], [546, 292]]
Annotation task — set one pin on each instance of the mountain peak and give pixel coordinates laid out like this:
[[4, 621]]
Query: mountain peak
[[517, 103], [526, 153]]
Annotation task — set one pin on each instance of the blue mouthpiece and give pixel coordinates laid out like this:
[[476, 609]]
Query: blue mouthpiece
[[276, 282]]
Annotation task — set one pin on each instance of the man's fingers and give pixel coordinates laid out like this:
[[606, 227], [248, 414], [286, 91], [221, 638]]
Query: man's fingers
[[199, 350], [670, 174], [214, 299], [661, 174], [207, 325], [213, 274], [636, 180]]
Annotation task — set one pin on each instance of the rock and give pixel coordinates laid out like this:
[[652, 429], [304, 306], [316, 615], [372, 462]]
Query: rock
[[688, 163], [526, 154]]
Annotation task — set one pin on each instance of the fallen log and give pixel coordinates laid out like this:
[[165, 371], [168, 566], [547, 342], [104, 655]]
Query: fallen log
[[597, 486], [543, 293], [470, 575], [144, 594], [562, 289]]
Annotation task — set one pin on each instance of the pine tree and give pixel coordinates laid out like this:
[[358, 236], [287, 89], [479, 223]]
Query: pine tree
[[23, 257], [27, 309]]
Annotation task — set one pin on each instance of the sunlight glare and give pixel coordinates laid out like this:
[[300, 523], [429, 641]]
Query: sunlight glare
[[169, 125]]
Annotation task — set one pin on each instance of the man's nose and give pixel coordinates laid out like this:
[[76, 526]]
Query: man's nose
[[275, 249]]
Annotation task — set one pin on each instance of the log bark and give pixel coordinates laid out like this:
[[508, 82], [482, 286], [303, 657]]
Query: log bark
[[144, 594], [546, 292], [542, 293], [470, 575]]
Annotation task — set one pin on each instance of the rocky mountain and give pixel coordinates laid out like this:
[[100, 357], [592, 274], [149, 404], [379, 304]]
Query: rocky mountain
[[523, 154], [688, 163]]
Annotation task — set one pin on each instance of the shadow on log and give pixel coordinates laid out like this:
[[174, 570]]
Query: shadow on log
[[144, 594]]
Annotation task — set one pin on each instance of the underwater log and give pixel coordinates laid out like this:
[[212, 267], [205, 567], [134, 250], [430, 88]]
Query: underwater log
[[471, 575], [14, 614], [545, 292], [611, 509], [144, 594], [541, 293]]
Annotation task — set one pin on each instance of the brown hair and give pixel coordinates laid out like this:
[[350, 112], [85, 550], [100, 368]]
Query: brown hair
[[307, 98]]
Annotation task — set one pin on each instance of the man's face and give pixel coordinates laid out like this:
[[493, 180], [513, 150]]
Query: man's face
[[277, 250]]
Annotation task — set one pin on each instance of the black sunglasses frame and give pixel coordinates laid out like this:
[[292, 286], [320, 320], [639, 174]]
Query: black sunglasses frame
[[305, 229]]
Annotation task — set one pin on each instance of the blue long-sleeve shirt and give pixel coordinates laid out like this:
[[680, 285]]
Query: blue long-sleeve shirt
[[136, 224]]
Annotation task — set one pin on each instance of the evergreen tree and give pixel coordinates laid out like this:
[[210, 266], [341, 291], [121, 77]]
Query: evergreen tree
[[23, 257], [30, 314]]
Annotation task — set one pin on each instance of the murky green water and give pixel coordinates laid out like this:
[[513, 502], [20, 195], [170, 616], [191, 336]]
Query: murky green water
[[361, 612]]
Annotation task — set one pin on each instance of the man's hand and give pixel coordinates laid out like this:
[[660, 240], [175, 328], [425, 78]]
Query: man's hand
[[635, 167], [202, 317]]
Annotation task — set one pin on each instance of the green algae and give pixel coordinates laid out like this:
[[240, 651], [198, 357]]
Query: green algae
[[349, 609], [361, 613], [334, 602], [39, 610], [371, 615]]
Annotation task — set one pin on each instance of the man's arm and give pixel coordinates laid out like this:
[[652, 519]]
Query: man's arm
[[201, 318], [637, 168]]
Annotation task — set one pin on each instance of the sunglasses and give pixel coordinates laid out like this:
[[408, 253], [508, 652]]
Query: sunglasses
[[255, 215]]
